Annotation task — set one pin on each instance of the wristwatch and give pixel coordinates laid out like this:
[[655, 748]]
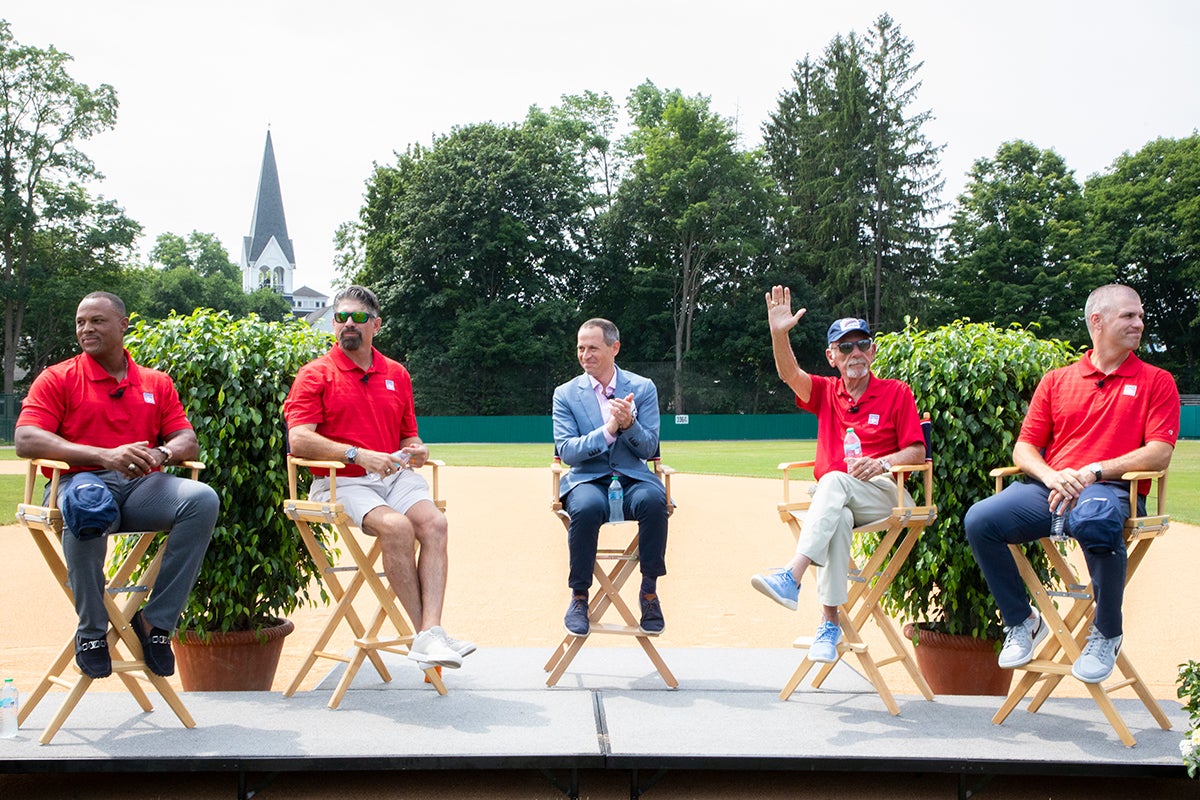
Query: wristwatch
[[1095, 469], [351, 454], [887, 465], [166, 451]]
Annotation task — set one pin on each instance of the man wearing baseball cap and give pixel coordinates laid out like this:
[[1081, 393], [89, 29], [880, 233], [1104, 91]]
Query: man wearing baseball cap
[[849, 491]]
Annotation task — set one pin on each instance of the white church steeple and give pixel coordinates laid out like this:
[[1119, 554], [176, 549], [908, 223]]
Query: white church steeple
[[267, 255]]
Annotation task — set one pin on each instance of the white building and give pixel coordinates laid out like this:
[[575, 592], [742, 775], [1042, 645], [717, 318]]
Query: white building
[[268, 258]]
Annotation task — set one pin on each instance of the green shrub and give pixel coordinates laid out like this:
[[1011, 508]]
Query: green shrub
[[233, 376], [1189, 693], [975, 380]]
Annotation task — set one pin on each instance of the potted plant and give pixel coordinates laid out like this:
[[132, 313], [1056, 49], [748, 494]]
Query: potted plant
[[233, 376], [975, 380]]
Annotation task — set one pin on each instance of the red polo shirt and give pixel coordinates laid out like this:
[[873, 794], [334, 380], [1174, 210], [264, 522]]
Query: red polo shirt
[[1076, 420], [79, 401], [372, 409], [885, 419]]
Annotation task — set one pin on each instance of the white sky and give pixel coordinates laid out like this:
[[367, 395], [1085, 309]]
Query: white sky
[[345, 84]]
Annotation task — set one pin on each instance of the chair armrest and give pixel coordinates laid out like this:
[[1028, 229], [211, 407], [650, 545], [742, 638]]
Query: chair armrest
[[787, 465], [1144, 475]]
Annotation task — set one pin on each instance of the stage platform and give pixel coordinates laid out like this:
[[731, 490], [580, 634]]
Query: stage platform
[[611, 711]]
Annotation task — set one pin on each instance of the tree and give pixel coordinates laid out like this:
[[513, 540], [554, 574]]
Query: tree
[[485, 223], [193, 273], [81, 246], [858, 177], [44, 114], [692, 208], [1019, 249], [1146, 216]]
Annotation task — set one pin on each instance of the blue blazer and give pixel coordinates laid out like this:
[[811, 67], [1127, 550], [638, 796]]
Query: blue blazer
[[580, 443]]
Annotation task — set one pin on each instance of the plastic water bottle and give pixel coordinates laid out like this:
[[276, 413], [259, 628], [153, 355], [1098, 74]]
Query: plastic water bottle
[[1058, 527], [10, 704], [851, 445], [616, 501]]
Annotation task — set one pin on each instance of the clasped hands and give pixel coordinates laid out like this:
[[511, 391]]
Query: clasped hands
[[1065, 487], [133, 459], [622, 413]]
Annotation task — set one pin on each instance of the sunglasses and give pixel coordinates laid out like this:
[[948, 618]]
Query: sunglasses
[[848, 347], [358, 316]]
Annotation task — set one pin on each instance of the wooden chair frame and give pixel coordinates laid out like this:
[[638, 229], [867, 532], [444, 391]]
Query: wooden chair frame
[[367, 641], [899, 534], [1070, 629], [44, 523], [624, 563]]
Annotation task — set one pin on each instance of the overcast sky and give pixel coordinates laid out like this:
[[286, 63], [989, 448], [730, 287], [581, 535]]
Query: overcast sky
[[346, 84]]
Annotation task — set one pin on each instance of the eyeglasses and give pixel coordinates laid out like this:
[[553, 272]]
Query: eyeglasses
[[358, 316], [848, 347]]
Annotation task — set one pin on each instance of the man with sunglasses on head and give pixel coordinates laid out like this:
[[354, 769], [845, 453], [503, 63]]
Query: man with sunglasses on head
[[355, 405], [850, 491]]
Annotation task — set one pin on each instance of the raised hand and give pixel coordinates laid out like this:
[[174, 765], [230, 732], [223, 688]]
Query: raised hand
[[779, 309]]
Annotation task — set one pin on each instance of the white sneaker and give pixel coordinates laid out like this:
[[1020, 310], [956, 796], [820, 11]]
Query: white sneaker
[[1020, 641], [429, 649], [463, 648], [1098, 658]]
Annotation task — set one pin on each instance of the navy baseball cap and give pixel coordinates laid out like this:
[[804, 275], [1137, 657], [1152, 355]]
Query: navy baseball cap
[[88, 508], [847, 325]]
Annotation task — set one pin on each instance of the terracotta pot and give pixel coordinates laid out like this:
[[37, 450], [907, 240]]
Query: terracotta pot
[[238, 661], [959, 664]]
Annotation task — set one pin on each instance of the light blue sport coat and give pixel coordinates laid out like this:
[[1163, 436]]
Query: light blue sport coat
[[580, 443]]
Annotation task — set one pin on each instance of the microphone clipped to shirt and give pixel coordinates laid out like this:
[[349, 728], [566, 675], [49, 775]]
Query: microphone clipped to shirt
[[117, 393], [1100, 383]]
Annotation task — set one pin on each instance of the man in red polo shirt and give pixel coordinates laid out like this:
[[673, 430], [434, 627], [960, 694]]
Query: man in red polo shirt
[[355, 405], [1107, 414], [851, 491], [117, 424]]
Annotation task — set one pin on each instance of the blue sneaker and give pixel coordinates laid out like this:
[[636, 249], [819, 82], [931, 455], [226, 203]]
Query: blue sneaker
[[576, 619], [779, 585], [824, 646]]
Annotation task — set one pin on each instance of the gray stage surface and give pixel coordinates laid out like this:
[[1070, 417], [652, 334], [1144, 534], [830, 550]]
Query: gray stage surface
[[610, 711]]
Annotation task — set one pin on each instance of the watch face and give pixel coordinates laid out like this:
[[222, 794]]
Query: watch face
[[351, 454]]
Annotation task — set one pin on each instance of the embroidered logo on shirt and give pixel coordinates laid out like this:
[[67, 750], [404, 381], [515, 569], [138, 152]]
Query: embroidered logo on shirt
[[148, 398], [390, 384], [872, 419], [1129, 390]]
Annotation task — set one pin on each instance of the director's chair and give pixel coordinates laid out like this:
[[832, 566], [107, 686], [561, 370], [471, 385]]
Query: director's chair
[[1069, 629], [363, 571], [624, 562], [898, 535], [44, 523]]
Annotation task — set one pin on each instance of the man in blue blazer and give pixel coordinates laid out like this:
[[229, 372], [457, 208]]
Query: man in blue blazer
[[605, 425]]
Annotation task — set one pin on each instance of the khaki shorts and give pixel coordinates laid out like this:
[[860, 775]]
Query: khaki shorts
[[359, 496]]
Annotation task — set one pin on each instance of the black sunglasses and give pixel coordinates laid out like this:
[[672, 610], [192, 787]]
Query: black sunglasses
[[861, 344], [358, 316]]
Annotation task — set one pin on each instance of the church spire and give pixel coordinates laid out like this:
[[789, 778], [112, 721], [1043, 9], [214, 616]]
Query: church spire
[[267, 255]]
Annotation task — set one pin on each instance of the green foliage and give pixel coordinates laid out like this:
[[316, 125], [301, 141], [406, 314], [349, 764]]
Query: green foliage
[[975, 380], [692, 211], [44, 114], [1189, 693], [858, 178], [1146, 217], [194, 273], [233, 376], [1019, 247]]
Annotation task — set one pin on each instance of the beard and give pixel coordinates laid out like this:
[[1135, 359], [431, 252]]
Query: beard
[[350, 341]]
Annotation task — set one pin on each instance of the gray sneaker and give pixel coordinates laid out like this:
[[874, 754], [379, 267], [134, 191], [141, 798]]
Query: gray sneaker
[[1098, 658], [1020, 641]]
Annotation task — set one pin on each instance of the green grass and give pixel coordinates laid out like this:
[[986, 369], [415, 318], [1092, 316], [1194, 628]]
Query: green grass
[[750, 459], [758, 459]]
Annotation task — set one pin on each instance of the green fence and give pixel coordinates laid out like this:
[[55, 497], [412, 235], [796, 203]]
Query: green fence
[[682, 427]]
